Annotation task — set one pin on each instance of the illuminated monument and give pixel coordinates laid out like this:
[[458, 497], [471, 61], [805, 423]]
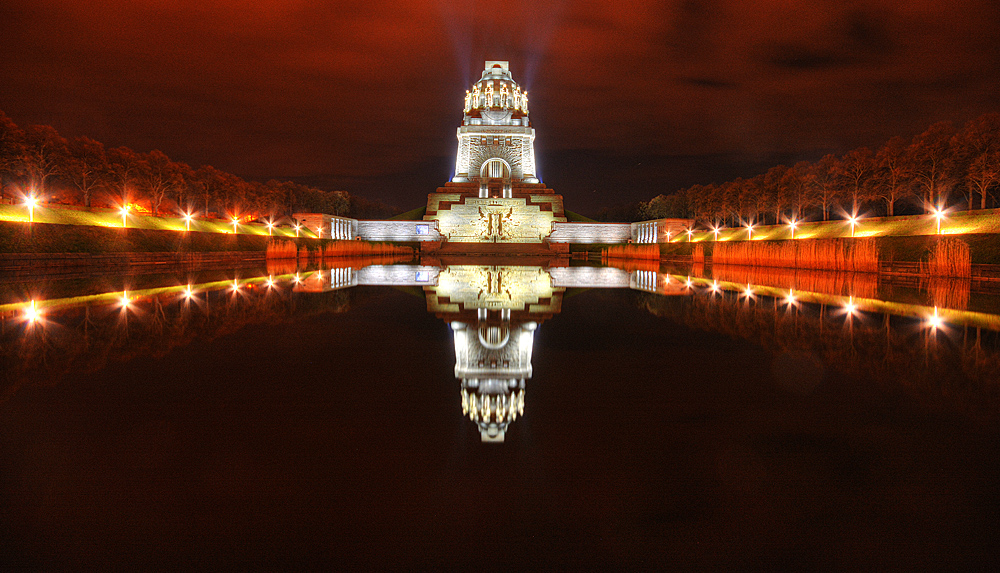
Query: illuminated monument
[[495, 203], [495, 195]]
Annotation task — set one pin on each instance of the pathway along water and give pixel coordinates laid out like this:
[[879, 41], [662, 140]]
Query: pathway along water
[[293, 417]]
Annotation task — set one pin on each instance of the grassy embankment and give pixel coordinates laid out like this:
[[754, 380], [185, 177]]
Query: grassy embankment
[[109, 218], [822, 244], [48, 238], [101, 231], [986, 221]]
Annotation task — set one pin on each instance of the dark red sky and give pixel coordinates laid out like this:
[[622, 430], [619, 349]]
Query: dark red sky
[[629, 99]]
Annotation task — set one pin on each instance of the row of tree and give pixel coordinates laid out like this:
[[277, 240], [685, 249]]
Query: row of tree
[[943, 167], [36, 160]]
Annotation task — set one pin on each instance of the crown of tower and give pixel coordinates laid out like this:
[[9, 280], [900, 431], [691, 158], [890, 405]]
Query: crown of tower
[[496, 91]]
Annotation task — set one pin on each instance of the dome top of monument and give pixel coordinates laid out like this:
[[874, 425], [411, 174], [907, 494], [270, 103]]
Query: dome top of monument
[[496, 90]]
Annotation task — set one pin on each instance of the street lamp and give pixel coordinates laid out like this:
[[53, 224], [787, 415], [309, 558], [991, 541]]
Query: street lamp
[[934, 321], [790, 299], [850, 307], [32, 314], [30, 203], [939, 215], [853, 220]]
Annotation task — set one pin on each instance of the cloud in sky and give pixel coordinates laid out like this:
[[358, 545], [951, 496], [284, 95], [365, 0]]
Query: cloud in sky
[[630, 99]]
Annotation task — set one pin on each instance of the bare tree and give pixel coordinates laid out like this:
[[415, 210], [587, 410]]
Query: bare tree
[[889, 181], [975, 142], [983, 174], [797, 183], [124, 167], [930, 157], [161, 177], [855, 171], [11, 149], [85, 167], [824, 181], [776, 195], [43, 155]]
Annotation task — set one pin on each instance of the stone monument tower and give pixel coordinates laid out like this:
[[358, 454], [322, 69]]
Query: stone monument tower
[[495, 195]]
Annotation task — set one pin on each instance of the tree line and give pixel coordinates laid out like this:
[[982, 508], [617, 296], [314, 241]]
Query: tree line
[[943, 167], [35, 160]]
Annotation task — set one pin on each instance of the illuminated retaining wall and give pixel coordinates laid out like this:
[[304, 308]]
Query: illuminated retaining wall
[[400, 231], [397, 275], [591, 233]]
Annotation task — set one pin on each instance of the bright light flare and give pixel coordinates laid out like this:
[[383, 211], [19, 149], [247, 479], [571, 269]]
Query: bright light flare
[[30, 202], [188, 293], [32, 314], [850, 308], [236, 221], [297, 228], [124, 213], [297, 279], [269, 283], [715, 287], [715, 230], [236, 286], [934, 321], [270, 227], [688, 283], [750, 232], [853, 220], [748, 292], [187, 221], [790, 299], [793, 224], [690, 233], [124, 301], [939, 215]]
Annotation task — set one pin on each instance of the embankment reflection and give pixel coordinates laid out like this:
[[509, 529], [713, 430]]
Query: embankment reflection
[[816, 323], [50, 331]]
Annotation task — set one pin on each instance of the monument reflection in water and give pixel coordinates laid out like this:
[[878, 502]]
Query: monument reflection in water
[[493, 312]]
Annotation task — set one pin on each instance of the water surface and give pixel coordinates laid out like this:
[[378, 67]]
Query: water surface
[[667, 417]]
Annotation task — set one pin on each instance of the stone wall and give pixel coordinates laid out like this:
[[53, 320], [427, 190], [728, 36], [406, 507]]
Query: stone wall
[[590, 232], [590, 277], [397, 275], [399, 231]]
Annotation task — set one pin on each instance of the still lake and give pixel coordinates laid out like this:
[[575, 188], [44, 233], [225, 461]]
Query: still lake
[[487, 416]]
